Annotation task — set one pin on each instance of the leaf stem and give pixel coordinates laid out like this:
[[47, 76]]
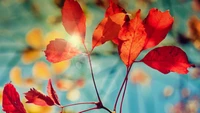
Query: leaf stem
[[123, 95], [88, 109], [78, 104], [122, 86], [106, 109], [92, 73], [115, 106]]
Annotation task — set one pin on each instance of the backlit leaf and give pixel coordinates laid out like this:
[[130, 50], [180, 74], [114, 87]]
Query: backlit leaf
[[157, 24], [73, 18], [52, 93], [113, 9], [52, 35], [37, 98], [11, 100], [167, 59], [108, 29], [59, 50], [133, 36]]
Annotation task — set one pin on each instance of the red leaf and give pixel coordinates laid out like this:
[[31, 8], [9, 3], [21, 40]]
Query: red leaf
[[37, 98], [103, 31], [59, 50], [166, 59], [113, 9], [73, 18], [157, 24], [133, 36], [51, 93], [11, 100]]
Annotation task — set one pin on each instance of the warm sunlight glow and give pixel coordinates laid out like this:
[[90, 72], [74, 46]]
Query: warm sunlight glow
[[75, 40], [73, 95]]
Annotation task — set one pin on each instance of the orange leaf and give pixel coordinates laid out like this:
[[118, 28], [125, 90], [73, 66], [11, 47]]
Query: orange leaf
[[73, 18], [102, 33], [166, 59], [59, 50], [133, 36], [113, 9], [37, 98], [11, 100], [51, 93], [157, 24]]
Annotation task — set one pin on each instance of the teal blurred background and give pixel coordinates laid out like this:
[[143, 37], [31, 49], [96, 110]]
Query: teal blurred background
[[149, 91]]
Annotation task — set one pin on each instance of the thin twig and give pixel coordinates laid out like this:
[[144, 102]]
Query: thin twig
[[78, 104], [92, 73], [125, 79], [115, 106], [123, 95], [106, 109], [88, 110]]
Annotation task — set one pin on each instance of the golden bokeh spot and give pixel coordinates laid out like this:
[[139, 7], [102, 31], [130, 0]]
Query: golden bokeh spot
[[34, 38], [73, 95], [41, 70], [52, 36], [60, 67], [31, 108], [30, 55], [16, 75], [138, 76], [168, 91], [65, 85]]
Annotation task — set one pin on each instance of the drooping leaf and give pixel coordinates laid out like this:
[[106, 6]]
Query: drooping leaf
[[157, 24], [37, 98], [73, 18], [113, 9], [59, 50], [167, 59], [11, 100], [108, 29], [52, 93], [133, 36]]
